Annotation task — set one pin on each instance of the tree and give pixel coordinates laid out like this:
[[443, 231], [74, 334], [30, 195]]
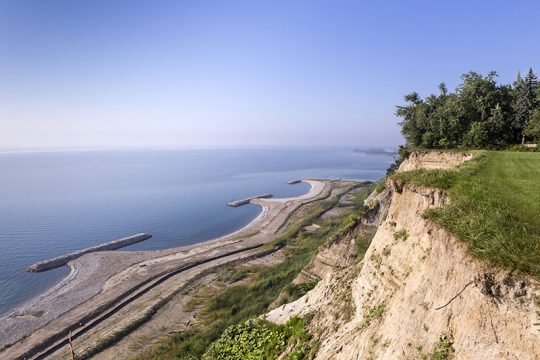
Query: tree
[[533, 90], [525, 101], [478, 114], [410, 126], [532, 130]]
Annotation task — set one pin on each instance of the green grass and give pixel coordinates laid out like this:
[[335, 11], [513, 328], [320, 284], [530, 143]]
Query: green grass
[[494, 206]]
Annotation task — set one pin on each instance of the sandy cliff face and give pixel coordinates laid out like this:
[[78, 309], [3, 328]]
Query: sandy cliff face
[[416, 286], [434, 160]]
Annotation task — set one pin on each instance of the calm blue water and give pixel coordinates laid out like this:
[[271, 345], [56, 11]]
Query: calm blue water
[[56, 202]]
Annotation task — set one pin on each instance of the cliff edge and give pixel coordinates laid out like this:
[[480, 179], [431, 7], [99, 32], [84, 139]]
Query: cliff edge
[[418, 293]]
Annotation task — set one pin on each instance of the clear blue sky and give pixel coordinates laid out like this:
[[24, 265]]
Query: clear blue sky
[[256, 73]]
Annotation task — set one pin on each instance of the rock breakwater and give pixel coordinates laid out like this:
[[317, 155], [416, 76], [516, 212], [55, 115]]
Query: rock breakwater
[[64, 259]]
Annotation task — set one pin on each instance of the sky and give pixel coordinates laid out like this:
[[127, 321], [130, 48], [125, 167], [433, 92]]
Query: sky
[[107, 74]]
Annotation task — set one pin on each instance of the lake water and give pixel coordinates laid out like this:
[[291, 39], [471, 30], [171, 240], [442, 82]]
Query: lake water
[[52, 203]]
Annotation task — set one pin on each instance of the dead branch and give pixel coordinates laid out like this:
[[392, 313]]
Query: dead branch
[[459, 293]]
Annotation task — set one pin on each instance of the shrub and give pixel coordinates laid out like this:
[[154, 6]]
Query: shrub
[[402, 235], [380, 187], [259, 339]]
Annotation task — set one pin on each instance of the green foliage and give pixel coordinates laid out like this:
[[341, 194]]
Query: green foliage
[[442, 350], [524, 148], [259, 340], [373, 314], [401, 235], [231, 274], [494, 206], [532, 130], [525, 102], [379, 188], [303, 288], [403, 153], [479, 114], [362, 244]]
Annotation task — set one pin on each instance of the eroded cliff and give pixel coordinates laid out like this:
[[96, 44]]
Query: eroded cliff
[[417, 293]]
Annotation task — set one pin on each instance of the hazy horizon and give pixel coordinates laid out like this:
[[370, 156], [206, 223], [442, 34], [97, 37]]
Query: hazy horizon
[[216, 74], [391, 147]]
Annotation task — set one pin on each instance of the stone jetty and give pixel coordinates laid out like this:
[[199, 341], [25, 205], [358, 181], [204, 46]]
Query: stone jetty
[[64, 259], [292, 182], [248, 200]]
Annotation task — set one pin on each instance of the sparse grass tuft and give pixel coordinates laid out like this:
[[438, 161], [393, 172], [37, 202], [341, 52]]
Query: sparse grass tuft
[[442, 350], [374, 313], [401, 235]]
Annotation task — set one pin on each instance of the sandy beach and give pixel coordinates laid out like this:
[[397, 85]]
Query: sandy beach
[[97, 279]]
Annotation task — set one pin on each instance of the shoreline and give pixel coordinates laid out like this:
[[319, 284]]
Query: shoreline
[[96, 273], [74, 267]]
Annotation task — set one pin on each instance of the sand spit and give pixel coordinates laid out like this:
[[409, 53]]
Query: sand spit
[[96, 278]]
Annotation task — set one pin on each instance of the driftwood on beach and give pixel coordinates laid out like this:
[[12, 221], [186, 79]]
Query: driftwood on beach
[[64, 259]]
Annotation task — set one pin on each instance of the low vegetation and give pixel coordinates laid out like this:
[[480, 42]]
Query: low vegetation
[[401, 235], [259, 339], [296, 291], [442, 350], [373, 314], [379, 188], [494, 206]]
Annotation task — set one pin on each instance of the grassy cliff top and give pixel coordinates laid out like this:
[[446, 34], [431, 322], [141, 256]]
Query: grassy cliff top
[[494, 208]]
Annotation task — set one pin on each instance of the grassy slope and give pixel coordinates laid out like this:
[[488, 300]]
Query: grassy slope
[[495, 207]]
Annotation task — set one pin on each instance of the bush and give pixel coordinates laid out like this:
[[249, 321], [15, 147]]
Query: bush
[[380, 187], [519, 147], [259, 339], [403, 153]]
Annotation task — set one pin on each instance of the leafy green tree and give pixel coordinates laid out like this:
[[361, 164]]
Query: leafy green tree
[[411, 126], [480, 113], [493, 129]]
